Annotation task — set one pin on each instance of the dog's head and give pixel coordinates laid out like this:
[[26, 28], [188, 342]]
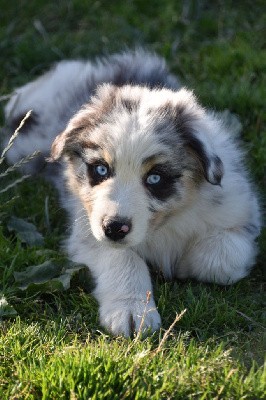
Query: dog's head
[[135, 156]]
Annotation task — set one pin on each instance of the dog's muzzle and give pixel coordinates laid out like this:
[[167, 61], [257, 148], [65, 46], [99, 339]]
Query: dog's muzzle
[[116, 229]]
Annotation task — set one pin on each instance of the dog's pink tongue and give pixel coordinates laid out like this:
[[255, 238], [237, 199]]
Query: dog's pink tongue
[[124, 228]]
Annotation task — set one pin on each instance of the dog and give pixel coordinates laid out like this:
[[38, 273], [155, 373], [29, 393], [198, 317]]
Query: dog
[[147, 175]]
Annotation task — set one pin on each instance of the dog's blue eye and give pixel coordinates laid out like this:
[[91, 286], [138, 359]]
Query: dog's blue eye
[[97, 172], [101, 170], [153, 179]]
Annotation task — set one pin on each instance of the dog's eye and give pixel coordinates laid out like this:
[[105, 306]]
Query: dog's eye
[[101, 170], [160, 181], [153, 179], [97, 172]]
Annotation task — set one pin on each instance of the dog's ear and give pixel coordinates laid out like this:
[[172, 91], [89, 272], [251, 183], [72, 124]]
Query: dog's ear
[[196, 127], [58, 146], [89, 116], [211, 163], [69, 140]]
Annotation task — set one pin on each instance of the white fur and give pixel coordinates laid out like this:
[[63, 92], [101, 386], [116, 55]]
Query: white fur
[[204, 230]]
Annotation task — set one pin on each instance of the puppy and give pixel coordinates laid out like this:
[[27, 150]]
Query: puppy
[[150, 177]]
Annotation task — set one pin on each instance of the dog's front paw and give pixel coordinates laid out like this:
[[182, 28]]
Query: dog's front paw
[[129, 316]]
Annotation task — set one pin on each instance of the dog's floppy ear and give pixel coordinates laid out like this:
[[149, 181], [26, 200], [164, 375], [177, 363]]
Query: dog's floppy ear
[[58, 146], [194, 126], [86, 119], [211, 163], [68, 140]]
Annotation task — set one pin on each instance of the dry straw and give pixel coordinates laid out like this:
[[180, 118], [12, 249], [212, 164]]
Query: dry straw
[[18, 164]]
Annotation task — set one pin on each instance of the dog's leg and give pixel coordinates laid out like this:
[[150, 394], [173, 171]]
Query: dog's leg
[[223, 258], [122, 282]]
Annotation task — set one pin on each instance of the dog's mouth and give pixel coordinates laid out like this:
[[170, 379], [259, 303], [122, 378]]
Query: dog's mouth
[[119, 244]]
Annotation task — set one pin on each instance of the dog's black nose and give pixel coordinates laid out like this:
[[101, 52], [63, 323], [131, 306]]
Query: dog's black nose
[[116, 229]]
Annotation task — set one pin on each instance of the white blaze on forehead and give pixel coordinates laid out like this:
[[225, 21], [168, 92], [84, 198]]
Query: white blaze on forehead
[[133, 139]]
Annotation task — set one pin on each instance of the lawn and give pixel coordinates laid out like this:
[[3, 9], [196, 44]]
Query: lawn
[[51, 343]]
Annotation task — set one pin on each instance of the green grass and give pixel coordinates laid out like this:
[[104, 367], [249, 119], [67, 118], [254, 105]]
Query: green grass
[[54, 348]]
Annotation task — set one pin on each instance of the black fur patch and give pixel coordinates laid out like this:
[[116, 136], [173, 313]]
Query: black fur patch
[[212, 165], [183, 120], [218, 170], [129, 71], [198, 147], [165, 188], [130, 75], [94, 178]]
